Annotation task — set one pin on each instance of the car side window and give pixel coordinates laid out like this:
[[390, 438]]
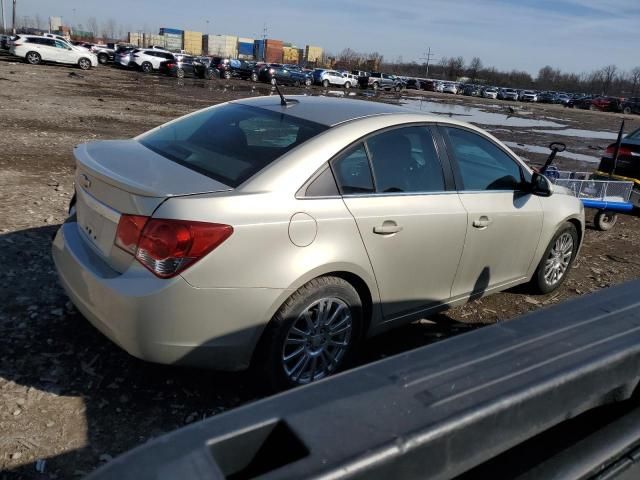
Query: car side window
[[406, 160], [60, 44], [49, 42], [352, 171], [483, 165]]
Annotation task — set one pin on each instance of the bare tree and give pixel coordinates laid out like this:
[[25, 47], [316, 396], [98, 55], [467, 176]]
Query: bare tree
[[608, 76], [39, 23], [634, 77], [474, 67], [110, 29], [455, 66], [92, 26]]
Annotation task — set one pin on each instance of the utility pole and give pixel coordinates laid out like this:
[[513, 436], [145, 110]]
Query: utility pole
[[4, 23], [264, 43], [13, 27], [427, 56]]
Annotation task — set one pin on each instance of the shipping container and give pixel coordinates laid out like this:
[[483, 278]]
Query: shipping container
[[174, 31], [258, 50], [273, 50], [290, 54], [245, 48], [220, 45], [313, 54], [134, 38], [150, 39], [192, 42]]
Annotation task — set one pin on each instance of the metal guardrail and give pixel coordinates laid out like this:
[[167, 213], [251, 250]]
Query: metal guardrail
[[584, 186], [434, 412]]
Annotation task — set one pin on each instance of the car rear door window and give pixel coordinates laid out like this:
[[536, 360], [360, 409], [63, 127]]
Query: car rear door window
[[230, 143], [353, 172], [482, 164], [405, 160]]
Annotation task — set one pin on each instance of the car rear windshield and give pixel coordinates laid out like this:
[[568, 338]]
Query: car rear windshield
[[230, 143]]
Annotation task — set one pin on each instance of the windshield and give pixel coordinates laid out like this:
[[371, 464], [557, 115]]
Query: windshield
[[230, 143]]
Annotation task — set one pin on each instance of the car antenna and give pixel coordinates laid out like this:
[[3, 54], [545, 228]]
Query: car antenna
[[283, 101]]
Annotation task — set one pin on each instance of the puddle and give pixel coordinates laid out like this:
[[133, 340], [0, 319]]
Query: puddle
[[475, 115], [544, 150], [576, 132]]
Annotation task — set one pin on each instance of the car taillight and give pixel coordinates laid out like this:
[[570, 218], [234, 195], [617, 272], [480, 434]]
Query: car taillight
[[171, 65], [611, 150], [167, 247]]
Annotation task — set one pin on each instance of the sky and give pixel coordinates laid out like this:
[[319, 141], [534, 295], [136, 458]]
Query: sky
[[573, 35]]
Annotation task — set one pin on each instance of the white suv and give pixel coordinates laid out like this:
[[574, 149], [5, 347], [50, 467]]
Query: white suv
[[331, 77], [36, 49], [149, 59]]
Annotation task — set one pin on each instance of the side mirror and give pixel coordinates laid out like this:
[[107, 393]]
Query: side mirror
[[540, 185]]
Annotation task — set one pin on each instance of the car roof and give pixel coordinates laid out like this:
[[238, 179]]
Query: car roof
[[324, 110]]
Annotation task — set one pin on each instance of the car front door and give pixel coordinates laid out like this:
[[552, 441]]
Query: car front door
[[504, 220], [46, 48], [409, 216], [64, 52]]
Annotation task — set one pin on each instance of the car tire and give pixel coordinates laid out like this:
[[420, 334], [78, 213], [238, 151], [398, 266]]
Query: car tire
[[296, 348], [593, 108], [347, 85], [103, 58], [227, 74], [146, 67], [307, 82], [180, 73], [254, 77], [626, 110], [396, 88], [557, 260], [297, 83], [604, 220], [84, 64], [326, 83], [33, 58], [376, 85], [273, 81]]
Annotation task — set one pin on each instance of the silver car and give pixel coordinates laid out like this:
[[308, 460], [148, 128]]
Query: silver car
[[277, 236]]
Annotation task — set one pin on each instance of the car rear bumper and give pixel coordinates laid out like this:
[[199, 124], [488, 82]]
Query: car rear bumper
[[162, 320]]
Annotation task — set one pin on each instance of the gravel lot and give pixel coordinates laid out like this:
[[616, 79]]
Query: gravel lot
[[70, 397]]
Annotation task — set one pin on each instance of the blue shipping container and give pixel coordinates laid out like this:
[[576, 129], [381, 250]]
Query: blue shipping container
[[245, 48], [258, 49], [174, 31]]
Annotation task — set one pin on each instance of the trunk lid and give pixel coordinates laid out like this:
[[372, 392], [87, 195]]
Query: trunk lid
[[116, 177]]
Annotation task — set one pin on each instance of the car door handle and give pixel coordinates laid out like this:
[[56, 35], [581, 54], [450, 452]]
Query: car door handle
[[482, 222], [387, 228]]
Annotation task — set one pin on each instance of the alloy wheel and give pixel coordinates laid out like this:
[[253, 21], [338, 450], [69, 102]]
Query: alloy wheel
[[318, 341], [33, 58], [559, 259]]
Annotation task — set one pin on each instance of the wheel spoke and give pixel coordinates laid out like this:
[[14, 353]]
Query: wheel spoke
[[295, 341], [338, 332], [303, 365], [334, 315], [293, 354], [299, 332], [312, 369]]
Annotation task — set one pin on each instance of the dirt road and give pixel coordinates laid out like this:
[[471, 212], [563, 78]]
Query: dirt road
[[70, 397]]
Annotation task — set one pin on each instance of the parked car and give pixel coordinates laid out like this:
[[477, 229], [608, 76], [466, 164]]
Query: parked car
[[472, 91], [628, 164], [438, 87], [185, 66], [148, 60], [606, 104], [414, 84], [378, 80], [547, 97], [562, 99], [583, 103], [165, 249], [286, 75], [507, 94], [4, 42], [105, 53], [630, 105], [36, 49], [490, 92], [124, 57], [326, 78], [450, 88], [529, 96]]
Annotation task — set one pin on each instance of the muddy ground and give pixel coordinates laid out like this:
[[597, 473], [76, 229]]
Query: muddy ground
[[70, 397]]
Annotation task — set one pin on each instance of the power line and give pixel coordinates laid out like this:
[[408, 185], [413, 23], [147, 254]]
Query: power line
[[428, 55]]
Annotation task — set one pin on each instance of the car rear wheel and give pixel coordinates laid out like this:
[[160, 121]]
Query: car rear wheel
[[146, 67], [33, 58], [557, 260], [84, 64], [274, 81], [307, 82], [297, 83], [312, 335], [376, 85], [227, 74], [325, 83], [254, 77], [347, 85], [592, 108], [180, 73], [626, 110], [103, 58], [604, 220]]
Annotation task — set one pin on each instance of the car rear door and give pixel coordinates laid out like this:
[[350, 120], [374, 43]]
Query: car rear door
[[410, 219], [46, 47], [65, 53], [504, 221]]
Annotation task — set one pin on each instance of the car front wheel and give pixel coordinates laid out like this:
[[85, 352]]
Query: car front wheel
[[103, 58], [84, 64], [180, 73], [325, 83], [33, 58], [557, 260], [147, 67], [626, 110], [312, 335]]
